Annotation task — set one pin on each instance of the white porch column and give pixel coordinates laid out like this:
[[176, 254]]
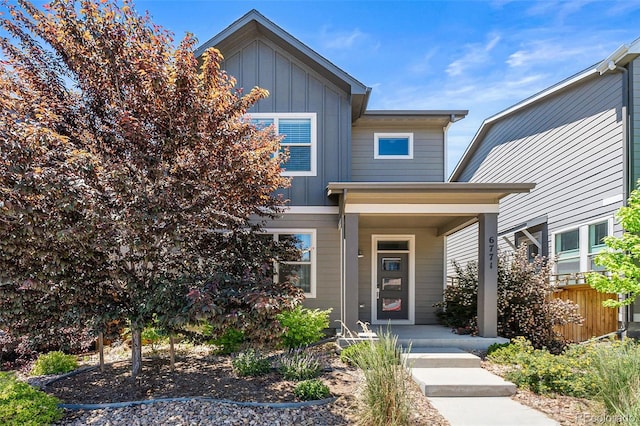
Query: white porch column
[[350, 313], [488, 275]]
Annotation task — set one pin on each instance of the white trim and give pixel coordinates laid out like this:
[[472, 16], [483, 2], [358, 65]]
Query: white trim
[[312, 210], [314, 136], [376, 146], [411, 238], [612, 200], [312, 255], [422, 208], [583, 239]]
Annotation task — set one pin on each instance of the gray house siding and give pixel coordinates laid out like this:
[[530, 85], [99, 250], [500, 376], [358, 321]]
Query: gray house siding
[[294, 87], [427, 164], [428, 270], [570, 144], [635, 120], [327, 258]]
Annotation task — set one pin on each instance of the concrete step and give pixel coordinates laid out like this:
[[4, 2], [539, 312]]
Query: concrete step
[[461, 382], [432, 357], [499, 411]]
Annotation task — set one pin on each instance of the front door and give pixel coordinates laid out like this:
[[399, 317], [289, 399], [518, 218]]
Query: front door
[[392, 291]]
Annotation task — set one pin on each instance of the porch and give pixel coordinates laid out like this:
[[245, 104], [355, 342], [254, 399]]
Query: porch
[[421, 337]]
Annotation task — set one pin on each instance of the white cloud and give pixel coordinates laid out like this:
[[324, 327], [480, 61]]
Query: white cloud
[[424, 64], [341, 39], [476, 54]]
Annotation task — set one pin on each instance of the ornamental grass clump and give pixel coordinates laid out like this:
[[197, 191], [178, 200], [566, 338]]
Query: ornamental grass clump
[[251, 363], [616, 371], [385, 395], [297, 365]]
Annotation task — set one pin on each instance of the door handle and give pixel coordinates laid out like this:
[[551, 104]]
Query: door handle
[[377, 293]]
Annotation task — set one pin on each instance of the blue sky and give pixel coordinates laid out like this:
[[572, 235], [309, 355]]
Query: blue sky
[[483, 56]]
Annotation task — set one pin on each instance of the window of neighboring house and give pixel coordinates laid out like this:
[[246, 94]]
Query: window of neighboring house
[[393, 146], [567, 249], [300, 269], [576, 248], [300, 139], [597, 232], [532, 248]]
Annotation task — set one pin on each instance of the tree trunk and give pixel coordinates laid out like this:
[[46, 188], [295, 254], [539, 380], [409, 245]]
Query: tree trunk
[[136, 351], [172, 353], [101, 350]]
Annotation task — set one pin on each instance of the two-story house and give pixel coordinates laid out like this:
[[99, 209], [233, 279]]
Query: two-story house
[[368, 203], [579, 141]]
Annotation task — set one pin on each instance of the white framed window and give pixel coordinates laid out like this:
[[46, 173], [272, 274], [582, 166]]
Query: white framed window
[[393, 146], [301, 270], [575, 248], [300, 139]]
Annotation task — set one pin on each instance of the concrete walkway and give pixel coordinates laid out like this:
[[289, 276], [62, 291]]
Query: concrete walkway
[[466, 394]]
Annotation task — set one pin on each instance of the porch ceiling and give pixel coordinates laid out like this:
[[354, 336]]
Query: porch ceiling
[[448, 207]]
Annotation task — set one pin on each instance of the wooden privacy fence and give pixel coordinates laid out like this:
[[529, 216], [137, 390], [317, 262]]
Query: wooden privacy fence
[[598, 320]]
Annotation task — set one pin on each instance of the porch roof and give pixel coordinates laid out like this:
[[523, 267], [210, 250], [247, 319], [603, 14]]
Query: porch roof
[[448, 206]]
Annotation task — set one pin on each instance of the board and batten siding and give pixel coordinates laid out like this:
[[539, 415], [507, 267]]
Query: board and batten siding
[[295, 87], [634, 69], [570, 145], [327, 258], [429, 270], [427, 164]]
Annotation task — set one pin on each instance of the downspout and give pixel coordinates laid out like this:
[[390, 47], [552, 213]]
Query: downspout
[[627, 158]]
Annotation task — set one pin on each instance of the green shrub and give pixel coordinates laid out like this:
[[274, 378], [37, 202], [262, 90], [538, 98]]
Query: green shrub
[[616, 371], [386, 399], [544, 373], [348, 354], [524, 292], [297, 365], [21, 404], [250, 363], [229, 342], [54, 363], [495, 346], [303, 326], [509, 353], [310, 390]]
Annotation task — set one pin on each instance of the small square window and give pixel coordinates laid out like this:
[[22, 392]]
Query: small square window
[[393, 146]]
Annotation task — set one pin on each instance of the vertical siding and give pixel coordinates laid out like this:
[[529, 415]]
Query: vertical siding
[[634, 103], [428, 268], [327, 258], [427, 164], [294, 87], [570, 145]]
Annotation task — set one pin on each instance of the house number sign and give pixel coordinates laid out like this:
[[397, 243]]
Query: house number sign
[[491, 251]]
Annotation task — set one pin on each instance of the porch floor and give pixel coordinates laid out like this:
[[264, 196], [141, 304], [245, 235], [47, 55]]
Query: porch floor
[[430, 336]]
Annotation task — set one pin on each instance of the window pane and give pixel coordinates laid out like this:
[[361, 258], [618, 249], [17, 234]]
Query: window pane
[[393, 146], [393, 245], [261, 123], [592, 264], [299, 159], [296, 274], [567, 242], [302, 242], [568, 266], [295, 130], [597, 232]]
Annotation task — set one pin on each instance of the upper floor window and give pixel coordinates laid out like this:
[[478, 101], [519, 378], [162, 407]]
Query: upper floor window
[[393, 146], [300, 139], [576, 248]]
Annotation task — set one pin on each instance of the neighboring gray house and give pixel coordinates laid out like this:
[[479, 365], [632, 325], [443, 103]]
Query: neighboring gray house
[[368, 201], [579, 141]]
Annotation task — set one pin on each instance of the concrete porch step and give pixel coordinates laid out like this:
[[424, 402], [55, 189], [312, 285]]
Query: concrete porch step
[[434, 357], [461, 382]]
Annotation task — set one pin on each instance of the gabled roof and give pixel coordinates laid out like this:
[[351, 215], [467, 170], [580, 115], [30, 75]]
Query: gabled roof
[[254, 23], [620, 57]]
